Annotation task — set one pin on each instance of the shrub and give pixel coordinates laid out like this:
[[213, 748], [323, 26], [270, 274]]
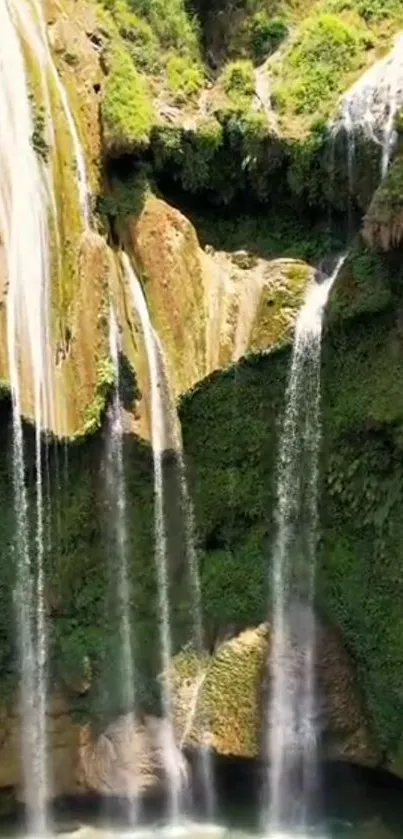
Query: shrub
[[127, 106], [185, 78], [239, 81], [325, 49], [266, 35], [142, 42], [126, 197], [171, 23], [370, 10]]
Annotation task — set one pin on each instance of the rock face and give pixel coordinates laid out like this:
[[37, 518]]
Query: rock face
[[383, 223], [230, 702], [373, 101], [126, 759], [64, 738], [210, 308], [174, 271], [76, 41]]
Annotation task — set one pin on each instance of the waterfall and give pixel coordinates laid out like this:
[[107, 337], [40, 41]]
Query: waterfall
[[372, 104], [83, 188], [24, 230], [159, 444], [206, 767], [166, 432], [292, 710], [116, 491]]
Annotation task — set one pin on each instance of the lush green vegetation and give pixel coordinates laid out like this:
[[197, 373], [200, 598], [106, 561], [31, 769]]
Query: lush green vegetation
[[152, 50], [384, 219], [185, 79], [323, 51], [230, 427], [127, 104], [268, 235], [239, 81], [83, 613], [232, 151], [334, 43]]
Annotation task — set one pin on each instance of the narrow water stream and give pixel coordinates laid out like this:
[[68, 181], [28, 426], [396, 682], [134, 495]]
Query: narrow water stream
[[292, 734]]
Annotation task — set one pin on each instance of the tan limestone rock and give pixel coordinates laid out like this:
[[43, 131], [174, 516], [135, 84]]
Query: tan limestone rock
[[76, 42], [210, 308], [126, 759]]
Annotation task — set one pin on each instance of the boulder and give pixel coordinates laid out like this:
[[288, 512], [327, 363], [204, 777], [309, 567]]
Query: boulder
[[230, 688], [126, 760]]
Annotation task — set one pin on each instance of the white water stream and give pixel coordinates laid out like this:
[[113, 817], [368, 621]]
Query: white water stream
[[165, 433], [83, 187], [292, 710], [205, 760], [371, 106], [116, 490], [159, 444], [24, 231], [27, 199]]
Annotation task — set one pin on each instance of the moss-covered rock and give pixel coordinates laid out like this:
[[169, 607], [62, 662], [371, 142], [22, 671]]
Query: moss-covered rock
[[220, 701], [175, 274], [77, 39], [383, 223], [210, 308], [231, 424]]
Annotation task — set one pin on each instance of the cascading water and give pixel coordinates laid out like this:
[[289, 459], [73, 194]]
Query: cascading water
[[371, 106], [292, 730], [196, 600], [166, 430], [116, 491], [83, 188], [24, 229], [159, 444]]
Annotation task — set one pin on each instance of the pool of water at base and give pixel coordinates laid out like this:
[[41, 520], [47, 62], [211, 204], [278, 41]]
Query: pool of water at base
[[372, 828], [354, 804]]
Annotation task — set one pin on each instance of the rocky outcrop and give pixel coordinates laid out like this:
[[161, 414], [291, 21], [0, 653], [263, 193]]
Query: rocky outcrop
[[376, 97], [77, 40], [383, 223], [174, 271], [126, 759], [230, 700], [123, 760], [210, 307], [64, 736]]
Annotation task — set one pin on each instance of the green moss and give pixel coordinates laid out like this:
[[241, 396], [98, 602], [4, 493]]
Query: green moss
[[127, 105], [38, 138], [363, 285], [105, 380], [385, 213], [280, 301], [360, 576], [268, 235]]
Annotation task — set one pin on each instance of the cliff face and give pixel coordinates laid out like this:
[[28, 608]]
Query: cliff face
[[207, 163]]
